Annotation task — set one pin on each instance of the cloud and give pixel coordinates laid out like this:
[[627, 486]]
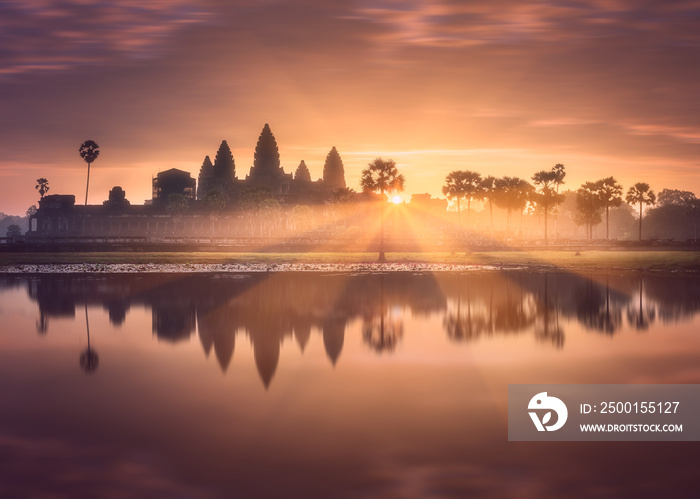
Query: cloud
[[51, 35], [460, 24], [682, 134], [564, 122]]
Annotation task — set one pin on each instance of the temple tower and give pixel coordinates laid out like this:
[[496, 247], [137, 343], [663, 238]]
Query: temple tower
[[333, 171], [266, 169]]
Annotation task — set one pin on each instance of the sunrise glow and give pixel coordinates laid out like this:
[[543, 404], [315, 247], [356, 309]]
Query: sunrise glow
[[506, 89], [359, 249]]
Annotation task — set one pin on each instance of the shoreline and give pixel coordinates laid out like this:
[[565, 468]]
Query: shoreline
[[133, 262]]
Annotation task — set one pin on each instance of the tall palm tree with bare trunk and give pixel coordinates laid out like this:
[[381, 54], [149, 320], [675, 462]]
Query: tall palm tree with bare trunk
[[89, 151], [559, 171], [640, 193], [489, 190], [610, 193], [382, 177], [42, 185], [547, 197], [462, 185], [512, 193]]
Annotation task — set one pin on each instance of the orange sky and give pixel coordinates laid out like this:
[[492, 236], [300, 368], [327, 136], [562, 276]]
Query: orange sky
[[507, 88]]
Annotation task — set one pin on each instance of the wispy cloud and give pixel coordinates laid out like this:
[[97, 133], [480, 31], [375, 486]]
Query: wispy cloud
[[682, 134], [443, 152], [446, 23], [50, 35], [564, 122]]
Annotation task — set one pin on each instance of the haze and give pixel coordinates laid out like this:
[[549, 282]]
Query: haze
[[607, 87]]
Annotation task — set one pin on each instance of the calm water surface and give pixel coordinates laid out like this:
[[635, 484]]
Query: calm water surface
[[311, 385]]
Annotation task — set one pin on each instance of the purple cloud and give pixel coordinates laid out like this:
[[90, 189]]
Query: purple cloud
[[49, 35], [460, 24]]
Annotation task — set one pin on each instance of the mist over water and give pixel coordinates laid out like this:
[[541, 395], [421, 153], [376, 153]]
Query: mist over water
[[329, 385]]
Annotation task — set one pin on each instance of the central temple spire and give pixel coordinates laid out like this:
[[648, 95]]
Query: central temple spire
[[266, 170], [267, 156]]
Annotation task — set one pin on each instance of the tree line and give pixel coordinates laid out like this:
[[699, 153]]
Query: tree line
[[539, 195], [593, 199]]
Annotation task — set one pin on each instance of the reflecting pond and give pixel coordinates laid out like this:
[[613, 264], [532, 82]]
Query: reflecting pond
[[329, 385]]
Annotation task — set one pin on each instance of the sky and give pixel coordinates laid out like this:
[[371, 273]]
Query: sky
[[606, 87]]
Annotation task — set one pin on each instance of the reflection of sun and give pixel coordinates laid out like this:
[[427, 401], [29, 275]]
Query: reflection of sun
[[396, 199]]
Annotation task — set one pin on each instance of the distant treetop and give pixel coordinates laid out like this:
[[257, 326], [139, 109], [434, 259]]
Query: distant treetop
[[42, 185], [677, 197], [89, 151]]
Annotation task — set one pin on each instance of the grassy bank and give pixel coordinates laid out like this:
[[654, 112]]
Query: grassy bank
[[623, 260]]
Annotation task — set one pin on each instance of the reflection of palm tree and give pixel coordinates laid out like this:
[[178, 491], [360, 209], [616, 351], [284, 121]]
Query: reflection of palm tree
[[548, 328], [641, 319], [42, 325], [513, 315], [380, 331], [463, 329], [595, 312], [88, 359], [89, 151]]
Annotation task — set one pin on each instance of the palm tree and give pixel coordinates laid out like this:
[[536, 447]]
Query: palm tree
[[462, 184], [559, 174], [89, 151], [642, 194], [644, 316], [547, 197], [489, 190], [380, 331], [610, 193], [454, 190], [382, 177], [512, 193], [588, 205], [43, 186], [467, 328]]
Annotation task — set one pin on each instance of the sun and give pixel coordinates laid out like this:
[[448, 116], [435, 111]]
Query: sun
[[396, 199]]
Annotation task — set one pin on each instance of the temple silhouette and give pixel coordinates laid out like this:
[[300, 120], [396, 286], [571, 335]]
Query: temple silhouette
[[269, 309], [218, 192]]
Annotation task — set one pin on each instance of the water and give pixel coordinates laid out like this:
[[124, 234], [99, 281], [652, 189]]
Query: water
[[338, 385]]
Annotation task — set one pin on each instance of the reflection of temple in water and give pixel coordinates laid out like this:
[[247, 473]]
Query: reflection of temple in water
[[268, 309]]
